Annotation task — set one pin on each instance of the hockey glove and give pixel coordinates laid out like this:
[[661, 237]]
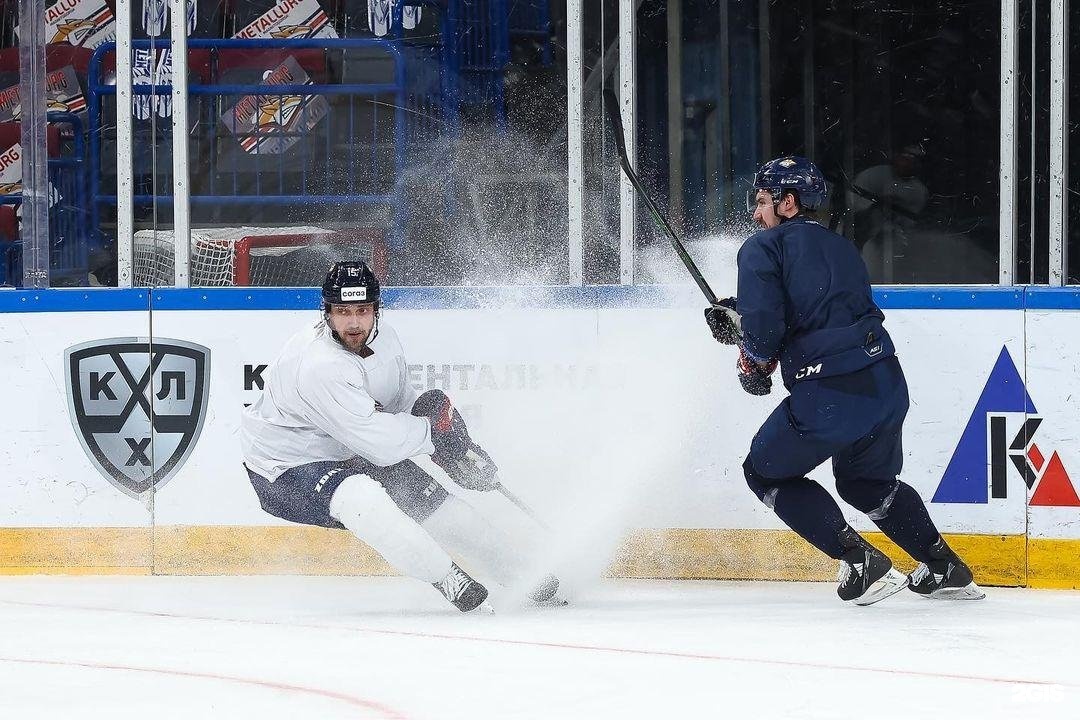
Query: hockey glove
[[455, 452], [754, 376], [724, 322]]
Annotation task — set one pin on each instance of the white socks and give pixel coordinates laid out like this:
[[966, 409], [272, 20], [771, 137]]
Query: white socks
[[461, 529], [362, 506]]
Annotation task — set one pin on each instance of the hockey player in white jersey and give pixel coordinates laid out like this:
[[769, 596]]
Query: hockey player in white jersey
[[328, 444]]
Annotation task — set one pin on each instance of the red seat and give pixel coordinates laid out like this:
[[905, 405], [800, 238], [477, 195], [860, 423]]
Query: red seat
[[57, 56], [11, 133], [60, 55], [9, 224]]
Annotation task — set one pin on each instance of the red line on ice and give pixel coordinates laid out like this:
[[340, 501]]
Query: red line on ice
[[564, 646], [382, 710]]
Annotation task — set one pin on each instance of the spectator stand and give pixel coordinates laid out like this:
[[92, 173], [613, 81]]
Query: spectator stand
[[9, 20], [309, 159], [478, 56], [531, 20], [381, 110]]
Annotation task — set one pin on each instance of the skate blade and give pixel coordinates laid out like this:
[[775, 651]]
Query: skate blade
[[971, 591], [890, 583], [483, 608], [550, 602]]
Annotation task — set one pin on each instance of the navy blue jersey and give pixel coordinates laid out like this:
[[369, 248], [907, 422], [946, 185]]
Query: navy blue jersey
[[805, 299]]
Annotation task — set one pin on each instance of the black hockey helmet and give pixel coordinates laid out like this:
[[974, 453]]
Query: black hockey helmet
[[790, 173], [350, 281]]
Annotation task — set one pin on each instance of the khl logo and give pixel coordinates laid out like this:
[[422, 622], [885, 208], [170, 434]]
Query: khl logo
[[1001, 433], [137, 406]]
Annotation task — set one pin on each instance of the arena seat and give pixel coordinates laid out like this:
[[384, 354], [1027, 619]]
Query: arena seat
[[11, 133], [210, 19], [9, 224], [353, 21]]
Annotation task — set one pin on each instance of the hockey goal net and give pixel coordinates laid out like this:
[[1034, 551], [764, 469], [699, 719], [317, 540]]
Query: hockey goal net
[[249, 256]]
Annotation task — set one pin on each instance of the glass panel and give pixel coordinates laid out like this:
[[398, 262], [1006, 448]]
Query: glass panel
[[1073, 176], [151, 115], [600, 45], [429, 141], [485, 196], [10, 149], [1033, 144], [897, 102], [70, 240]]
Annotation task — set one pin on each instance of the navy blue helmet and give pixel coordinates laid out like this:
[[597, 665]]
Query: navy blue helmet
[[790, 173]]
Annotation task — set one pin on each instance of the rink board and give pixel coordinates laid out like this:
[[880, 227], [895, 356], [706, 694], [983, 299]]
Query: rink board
[[606, 408]]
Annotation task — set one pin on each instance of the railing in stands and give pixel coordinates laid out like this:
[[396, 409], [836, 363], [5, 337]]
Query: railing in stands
[[353, 154]]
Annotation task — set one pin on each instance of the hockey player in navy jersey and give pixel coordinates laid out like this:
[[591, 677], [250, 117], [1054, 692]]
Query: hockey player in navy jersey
[[804, 303], [329, 443]]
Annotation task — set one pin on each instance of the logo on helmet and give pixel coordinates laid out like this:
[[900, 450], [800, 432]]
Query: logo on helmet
[[353, 294]]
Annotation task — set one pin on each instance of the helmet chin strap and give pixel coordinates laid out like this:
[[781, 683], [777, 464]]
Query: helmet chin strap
[[374, 328], [776, 209]]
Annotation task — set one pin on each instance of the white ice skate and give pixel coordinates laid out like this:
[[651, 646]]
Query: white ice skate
[[867, 576]]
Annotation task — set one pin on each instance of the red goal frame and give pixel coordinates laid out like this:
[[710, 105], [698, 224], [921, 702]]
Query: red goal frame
[[373, 237]]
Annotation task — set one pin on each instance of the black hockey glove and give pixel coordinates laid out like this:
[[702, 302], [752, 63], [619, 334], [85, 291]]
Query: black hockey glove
[[455, 452], [754, 376], [724, 321]]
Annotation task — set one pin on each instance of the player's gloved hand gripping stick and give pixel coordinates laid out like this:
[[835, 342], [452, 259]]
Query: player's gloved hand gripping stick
[[458, 454], [721, 315], [464, 461], [724, 321]]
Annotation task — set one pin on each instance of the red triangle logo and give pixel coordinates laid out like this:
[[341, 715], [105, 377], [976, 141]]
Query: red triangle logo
[[1055, 489]]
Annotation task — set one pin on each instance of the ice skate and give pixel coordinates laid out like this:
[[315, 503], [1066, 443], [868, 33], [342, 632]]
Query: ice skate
[[465, 593], [946, 577], [546, 592], [866, 574]]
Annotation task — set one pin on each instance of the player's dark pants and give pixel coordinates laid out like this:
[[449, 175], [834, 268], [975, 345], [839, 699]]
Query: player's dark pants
[[856, 420], [302, 494]]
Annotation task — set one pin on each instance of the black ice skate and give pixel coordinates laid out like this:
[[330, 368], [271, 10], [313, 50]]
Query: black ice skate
[[946, 577], [546, 591], [866, 574], [465, 593]]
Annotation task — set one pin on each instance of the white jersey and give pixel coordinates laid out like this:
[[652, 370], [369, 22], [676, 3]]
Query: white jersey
[[322, 402]]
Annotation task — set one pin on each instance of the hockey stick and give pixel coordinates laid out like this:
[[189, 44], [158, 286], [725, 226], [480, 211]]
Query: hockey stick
[[521, 505], [615, 117]]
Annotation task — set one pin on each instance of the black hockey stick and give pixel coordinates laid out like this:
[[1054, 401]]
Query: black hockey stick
[[521, 505], [615, 117]]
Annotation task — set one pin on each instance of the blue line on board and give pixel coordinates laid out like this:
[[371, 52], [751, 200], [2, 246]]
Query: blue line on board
[[547, 297]]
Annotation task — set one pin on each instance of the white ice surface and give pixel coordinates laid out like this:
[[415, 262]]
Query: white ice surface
[[316, 647]]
